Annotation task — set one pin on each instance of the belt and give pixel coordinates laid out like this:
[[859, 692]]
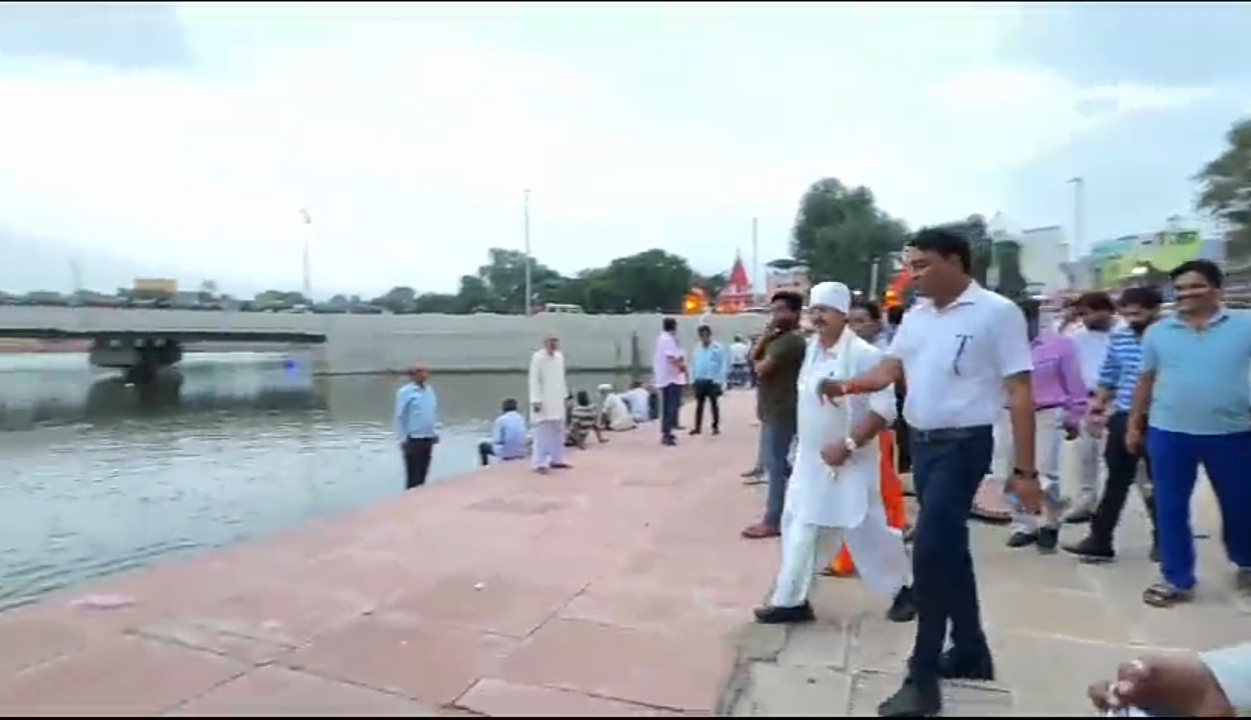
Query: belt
[[949, 434], [1047, 407]]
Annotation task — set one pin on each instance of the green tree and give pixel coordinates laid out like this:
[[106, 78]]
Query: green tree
[[445, 303], [712, 284], [1225, 189], [840, 233], [504, 276], [1012, 283], [653, 280], [474, 295], [398, 299]]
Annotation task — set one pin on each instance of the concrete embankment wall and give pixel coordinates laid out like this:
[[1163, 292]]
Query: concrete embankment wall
[[504, 343], [389, 343]]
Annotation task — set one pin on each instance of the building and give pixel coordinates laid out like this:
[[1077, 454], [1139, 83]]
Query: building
[[787, 274], [1121, 260], [1043, 255], [737, 295]]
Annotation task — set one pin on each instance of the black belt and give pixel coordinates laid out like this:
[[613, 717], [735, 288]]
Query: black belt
[[949, 434], [1047, 407]]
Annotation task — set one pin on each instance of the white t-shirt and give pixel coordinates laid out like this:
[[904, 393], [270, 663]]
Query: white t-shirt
[[1092, 349], [738, 353], [956, 359], [619, 417], [637, 398]]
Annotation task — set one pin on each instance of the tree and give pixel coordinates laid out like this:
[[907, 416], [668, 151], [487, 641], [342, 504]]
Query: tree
[[840, 234], [1225, 189], [1011, 283], [398, 300], [653, 280], [208, 291], [504, 277]]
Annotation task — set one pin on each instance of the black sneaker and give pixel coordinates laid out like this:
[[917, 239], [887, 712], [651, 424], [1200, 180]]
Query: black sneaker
[[772, 615], [1021, 539], [954, 665], [1091, 550], [696, 431], [903, 608], [914, 698], [1048, 539]]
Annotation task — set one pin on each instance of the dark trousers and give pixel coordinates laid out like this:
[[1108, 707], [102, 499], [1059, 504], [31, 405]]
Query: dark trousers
[[1122, 471], [903, 440], [947, 467], [707, 391], [776, 439], [670, 403], [485, 451], [417, 454], [1176, 458]]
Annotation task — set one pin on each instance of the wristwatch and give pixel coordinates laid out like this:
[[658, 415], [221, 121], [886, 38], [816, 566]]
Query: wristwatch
[[851, 445]]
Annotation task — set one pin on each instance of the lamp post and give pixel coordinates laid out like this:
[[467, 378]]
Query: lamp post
[[529, 260]]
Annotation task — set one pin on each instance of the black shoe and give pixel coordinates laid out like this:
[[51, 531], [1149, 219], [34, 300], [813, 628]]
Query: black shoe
[[753, 473], [1091, 550], [913, 699], [1048, 539], [903, 608], [669, 441], [696, 431], [716, 431], [770, 615], [955, 665], [1022, 539]]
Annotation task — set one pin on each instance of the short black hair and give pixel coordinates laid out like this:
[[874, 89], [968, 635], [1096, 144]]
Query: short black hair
[[1147, 298], [669, 324], [1095, 300], [872, 309], [584, 398], [509, 405], [945, 243], [703, 329], [793, 300], [1208, 269], [894, 314]]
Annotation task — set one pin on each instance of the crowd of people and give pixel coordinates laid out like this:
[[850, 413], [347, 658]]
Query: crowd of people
[[989, 392]]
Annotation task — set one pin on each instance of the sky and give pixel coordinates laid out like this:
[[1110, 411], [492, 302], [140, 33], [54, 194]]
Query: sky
[[183, 140]]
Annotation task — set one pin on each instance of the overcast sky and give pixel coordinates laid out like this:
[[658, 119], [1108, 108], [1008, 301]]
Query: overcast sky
[[184, 139]]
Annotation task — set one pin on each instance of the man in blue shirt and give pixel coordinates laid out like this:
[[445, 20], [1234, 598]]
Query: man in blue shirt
[[1193, 405], [1114, 396], [708, 374], [508, 436], [417, 425]]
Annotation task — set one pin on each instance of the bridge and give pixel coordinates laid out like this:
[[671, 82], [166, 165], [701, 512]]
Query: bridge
[[141, 341]]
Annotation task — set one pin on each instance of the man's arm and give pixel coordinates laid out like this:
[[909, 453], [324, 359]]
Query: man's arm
[[882, 411], [1146, 381], [1012, 353], [782, 351], [401, 414], [889, 371], [1109, 373]]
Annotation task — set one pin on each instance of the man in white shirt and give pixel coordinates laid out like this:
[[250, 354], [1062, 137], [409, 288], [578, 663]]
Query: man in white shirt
[[548, 391], [638, 399], [669, 370], [1097, 315], [835, 488], [614, 415], [962, 349], [739, 360]]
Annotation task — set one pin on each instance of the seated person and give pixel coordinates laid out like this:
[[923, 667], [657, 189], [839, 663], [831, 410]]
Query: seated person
[[614, 413], [582, 422], [508, 436], [639, 400]]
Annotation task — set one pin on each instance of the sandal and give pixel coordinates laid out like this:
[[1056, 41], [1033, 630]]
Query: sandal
[[1164, 595]]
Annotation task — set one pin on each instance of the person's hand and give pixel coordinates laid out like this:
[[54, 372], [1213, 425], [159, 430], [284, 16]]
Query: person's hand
[[1027, 489], [830, 389], [835, 454], [1133, 438], [1072, 432], [1181, 686]]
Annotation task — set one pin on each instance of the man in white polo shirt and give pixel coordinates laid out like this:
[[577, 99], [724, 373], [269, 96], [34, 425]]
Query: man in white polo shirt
[[962, 350]]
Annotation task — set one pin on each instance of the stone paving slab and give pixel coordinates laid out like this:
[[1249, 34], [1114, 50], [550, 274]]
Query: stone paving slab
[[613, 589], [1055, 625]]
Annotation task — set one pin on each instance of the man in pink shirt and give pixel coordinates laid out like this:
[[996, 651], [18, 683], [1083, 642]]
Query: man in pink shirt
[[1060, 402]]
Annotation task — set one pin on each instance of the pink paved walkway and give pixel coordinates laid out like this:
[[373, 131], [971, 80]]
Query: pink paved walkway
[[611, 589]]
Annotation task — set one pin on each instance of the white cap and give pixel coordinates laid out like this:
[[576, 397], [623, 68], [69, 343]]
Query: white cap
[[832, 295], [605, 387]]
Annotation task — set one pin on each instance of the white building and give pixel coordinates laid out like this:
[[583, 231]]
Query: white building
[[1044, 254]]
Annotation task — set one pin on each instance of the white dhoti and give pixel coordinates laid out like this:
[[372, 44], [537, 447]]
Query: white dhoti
[[881, 559], [826, 506], [549, 444]]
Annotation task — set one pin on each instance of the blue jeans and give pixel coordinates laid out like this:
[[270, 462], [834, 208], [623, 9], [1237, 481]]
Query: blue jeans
[[775, 443], [670, 403], [1175, 460], [947, 467]]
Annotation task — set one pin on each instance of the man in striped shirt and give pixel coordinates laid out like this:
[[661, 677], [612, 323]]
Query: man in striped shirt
[[1140, 307]]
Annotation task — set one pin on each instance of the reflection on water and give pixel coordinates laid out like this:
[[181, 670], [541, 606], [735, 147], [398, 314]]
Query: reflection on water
[[96, 476]]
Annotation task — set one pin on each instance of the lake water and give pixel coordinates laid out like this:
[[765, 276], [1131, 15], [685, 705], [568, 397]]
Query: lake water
[[97, 477]]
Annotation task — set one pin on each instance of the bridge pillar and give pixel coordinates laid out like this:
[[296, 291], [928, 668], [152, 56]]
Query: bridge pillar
[[139, 357]]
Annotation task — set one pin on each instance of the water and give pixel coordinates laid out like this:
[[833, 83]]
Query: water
[[97, 477]]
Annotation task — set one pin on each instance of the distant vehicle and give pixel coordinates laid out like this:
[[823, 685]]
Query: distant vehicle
[[562, 308]]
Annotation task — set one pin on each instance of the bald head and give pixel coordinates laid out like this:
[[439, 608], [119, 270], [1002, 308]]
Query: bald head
[[419, 374], [551, 342]]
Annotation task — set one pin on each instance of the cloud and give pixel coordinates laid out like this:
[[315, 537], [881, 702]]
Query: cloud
[[409, 132]]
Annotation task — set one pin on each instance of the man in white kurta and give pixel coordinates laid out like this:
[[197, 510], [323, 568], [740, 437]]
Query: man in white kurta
[[834, 494], [548, 391]]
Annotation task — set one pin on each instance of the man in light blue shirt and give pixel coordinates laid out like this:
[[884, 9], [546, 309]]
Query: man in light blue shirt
[[417, 425], [1193, 401], [508, 436], [709, 371]]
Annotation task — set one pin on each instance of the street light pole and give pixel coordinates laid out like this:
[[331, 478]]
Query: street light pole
[[529, 260], [1079, 212], [308, 281]]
